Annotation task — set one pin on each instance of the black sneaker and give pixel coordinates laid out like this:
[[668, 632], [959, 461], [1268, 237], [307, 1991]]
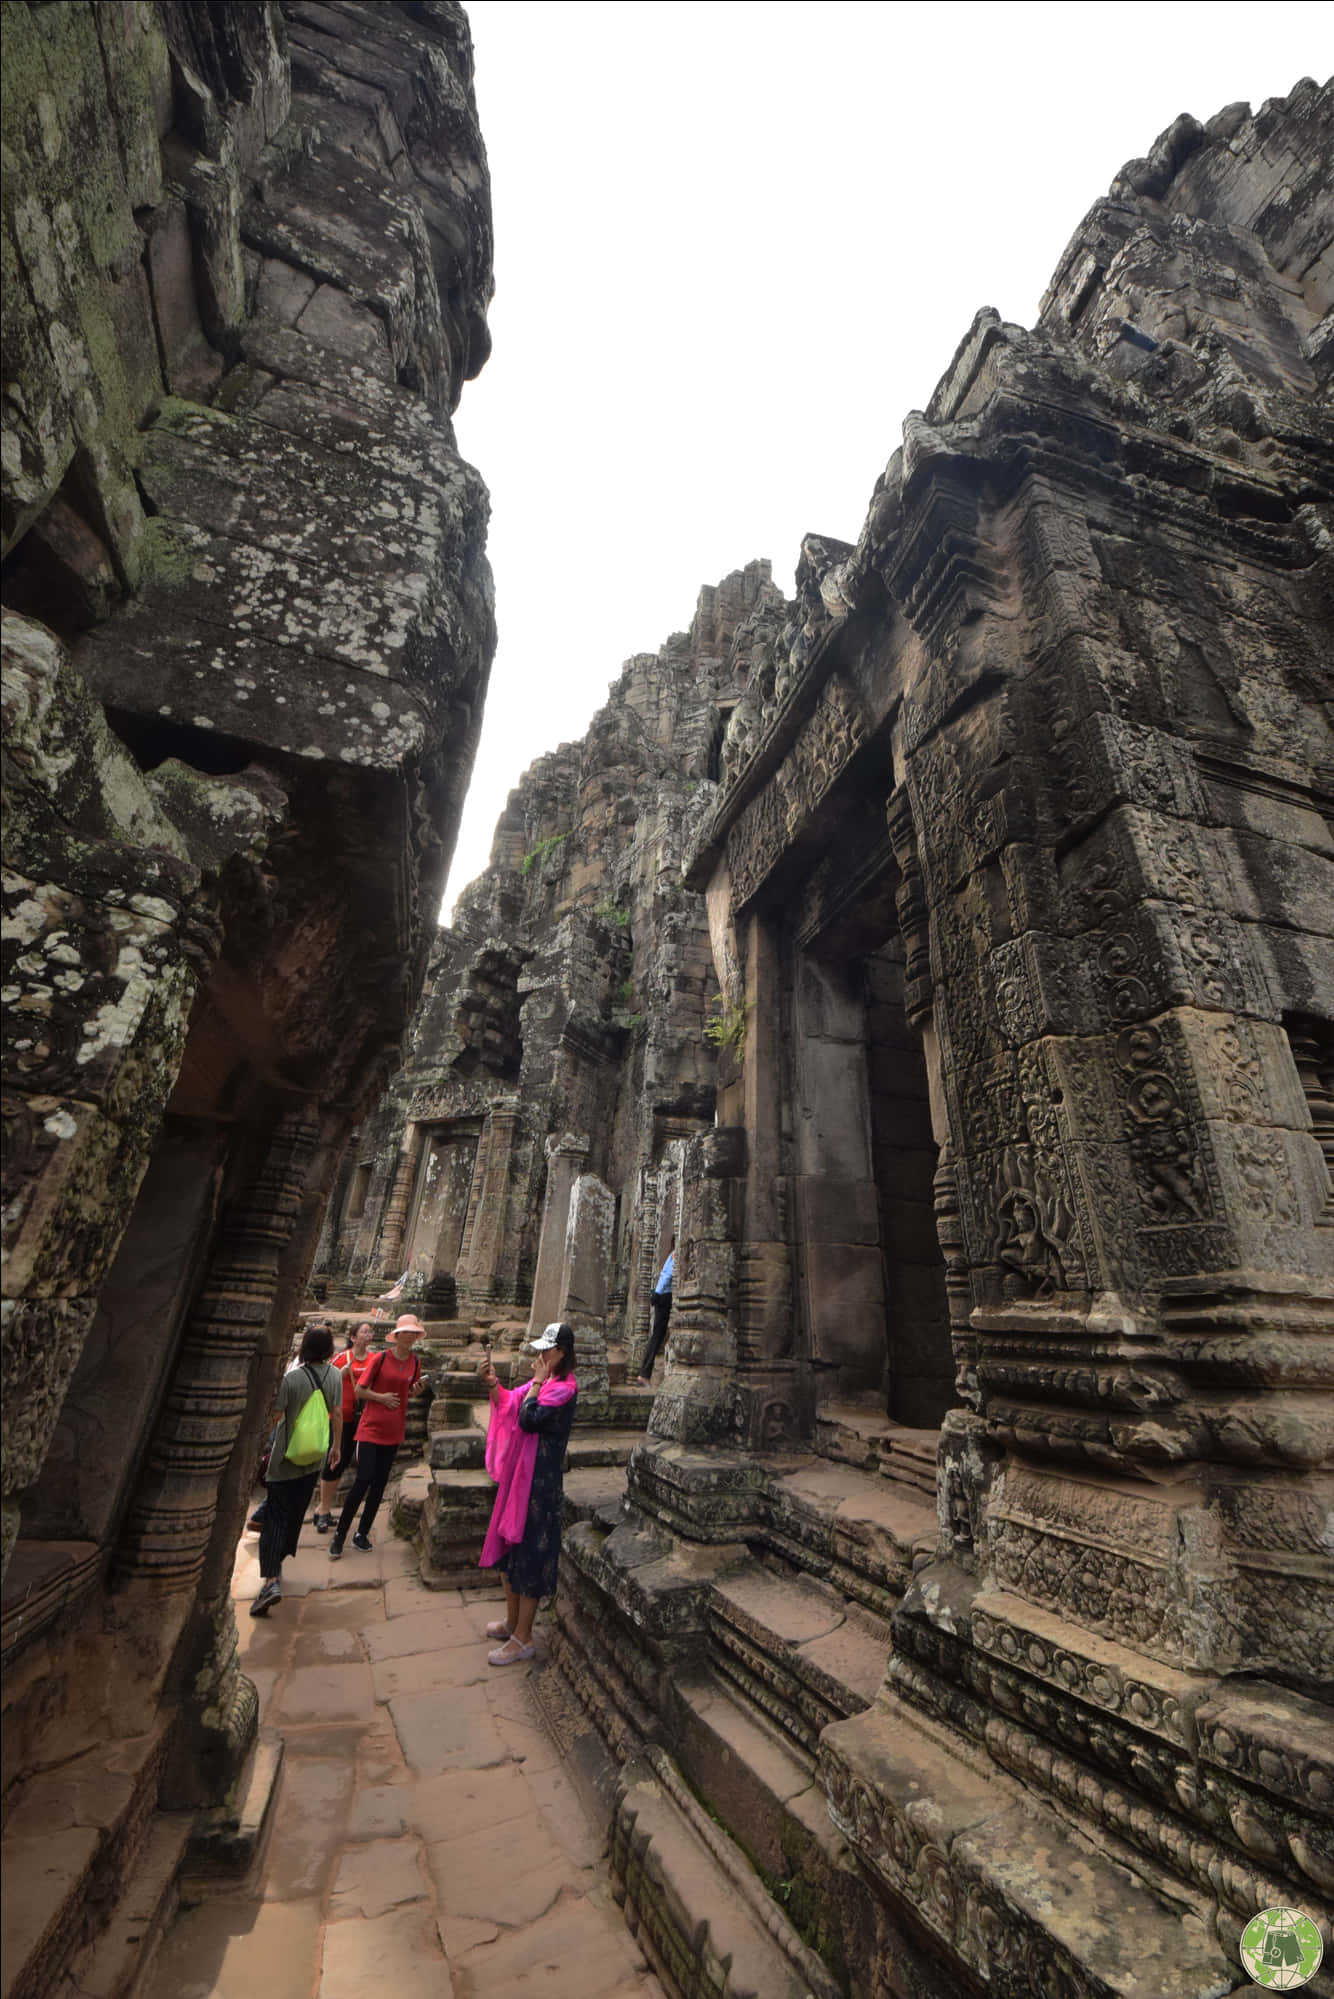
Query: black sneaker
[[270, 1594], [322, 1522], [335, 1548], [360, 1541]]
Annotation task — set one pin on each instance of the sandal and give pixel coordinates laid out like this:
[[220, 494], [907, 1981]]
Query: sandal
[[511, 1654], [498, 1630]]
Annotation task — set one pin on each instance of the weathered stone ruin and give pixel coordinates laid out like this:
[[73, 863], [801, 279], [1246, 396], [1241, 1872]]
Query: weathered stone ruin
[[1022, 903], [247, 632], [964, 1626], [946, 957], [565, 1029], [525, 1165]]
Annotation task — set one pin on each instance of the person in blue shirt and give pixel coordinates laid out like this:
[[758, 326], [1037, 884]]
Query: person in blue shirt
[[662, 1312]]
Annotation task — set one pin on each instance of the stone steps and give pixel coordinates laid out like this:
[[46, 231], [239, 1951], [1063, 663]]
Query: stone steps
[[858, 1531], [111, 1967], [628, 1402], [785, 1657], [463, 1448], [794, 1651], [457, 1510], [729, 1642], [859, 1433], [600, 1447], [146, 1866], [752, 1779], [1126, 1739], [695, 1907], [227, 1842], [997, 1879], [72, 1839]]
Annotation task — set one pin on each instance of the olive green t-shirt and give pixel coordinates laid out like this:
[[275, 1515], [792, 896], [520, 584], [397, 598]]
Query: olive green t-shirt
[[295, 1390]]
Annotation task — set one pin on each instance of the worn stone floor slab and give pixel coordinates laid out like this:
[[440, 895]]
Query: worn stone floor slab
[[578, 1951], [426, 1841], [399, 1953], [431, 1628]]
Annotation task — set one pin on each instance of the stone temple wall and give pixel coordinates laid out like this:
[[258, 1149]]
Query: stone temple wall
[[247, 632], [564, 1033], [1021, 886]]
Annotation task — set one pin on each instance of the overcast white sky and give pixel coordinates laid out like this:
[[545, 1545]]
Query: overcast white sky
[[735, 244]]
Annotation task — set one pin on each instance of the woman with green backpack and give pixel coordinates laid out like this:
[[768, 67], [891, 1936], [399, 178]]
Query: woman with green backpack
[[310, 1423]]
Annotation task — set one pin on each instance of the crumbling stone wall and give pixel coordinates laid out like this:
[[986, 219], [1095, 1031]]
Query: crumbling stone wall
[[565, 1026], [247, 632]]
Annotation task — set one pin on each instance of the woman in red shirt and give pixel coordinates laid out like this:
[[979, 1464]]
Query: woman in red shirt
[[354, 1362], [383, 1390]]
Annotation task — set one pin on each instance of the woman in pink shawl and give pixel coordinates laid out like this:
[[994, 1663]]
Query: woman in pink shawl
[[525, 1455]]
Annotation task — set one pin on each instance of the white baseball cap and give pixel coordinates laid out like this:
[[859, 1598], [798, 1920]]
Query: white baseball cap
[[547, 1338]]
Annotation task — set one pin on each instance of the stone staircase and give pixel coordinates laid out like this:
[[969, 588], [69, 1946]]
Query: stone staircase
[[705, 1647], [74, 1836], [93, 1869], [724, 1664], [857, 1432]]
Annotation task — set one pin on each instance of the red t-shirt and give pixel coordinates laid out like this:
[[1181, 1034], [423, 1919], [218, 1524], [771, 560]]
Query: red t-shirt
[[355, 1369], [386, 1374]]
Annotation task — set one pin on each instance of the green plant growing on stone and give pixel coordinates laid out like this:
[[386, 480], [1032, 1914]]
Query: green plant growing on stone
[[725, 1026], [537, 854], [611, 913], [625, 994]]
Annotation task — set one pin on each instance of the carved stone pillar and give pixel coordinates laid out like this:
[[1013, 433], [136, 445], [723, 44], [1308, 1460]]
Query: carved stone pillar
[[565, 1160], [657, 1219], [1312, 1044], [386, 1261], [584, 1286], [911, 905], [696, 1401], [166, 1534], [481, 1269], [768, 1399], [362, 1266]]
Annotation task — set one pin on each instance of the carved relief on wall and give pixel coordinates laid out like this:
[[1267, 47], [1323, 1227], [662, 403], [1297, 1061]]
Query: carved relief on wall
[[822, 750], [1034, 1224], [914, 925], [1162, 1120]]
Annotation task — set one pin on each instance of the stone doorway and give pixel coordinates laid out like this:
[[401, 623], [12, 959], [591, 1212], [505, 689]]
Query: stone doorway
[[871, 1277]]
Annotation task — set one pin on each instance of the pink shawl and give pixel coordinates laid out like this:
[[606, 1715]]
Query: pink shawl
[[511, 1454]]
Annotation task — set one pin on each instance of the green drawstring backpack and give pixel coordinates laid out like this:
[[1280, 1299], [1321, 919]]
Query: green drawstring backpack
[[308, 1441]]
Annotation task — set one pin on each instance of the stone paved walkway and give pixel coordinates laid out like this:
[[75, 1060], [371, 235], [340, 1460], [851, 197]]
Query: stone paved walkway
[[426, 1841]]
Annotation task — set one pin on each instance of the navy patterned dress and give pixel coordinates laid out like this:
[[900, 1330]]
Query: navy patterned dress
[[530, 1569]]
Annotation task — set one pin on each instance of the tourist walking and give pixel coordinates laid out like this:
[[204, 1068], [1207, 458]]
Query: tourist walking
[[309, 1425], [662, 1312], [525, 1454], [352, 1363], [387, 1381]]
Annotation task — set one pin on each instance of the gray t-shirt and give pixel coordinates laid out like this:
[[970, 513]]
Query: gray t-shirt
[[294, 1391]]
